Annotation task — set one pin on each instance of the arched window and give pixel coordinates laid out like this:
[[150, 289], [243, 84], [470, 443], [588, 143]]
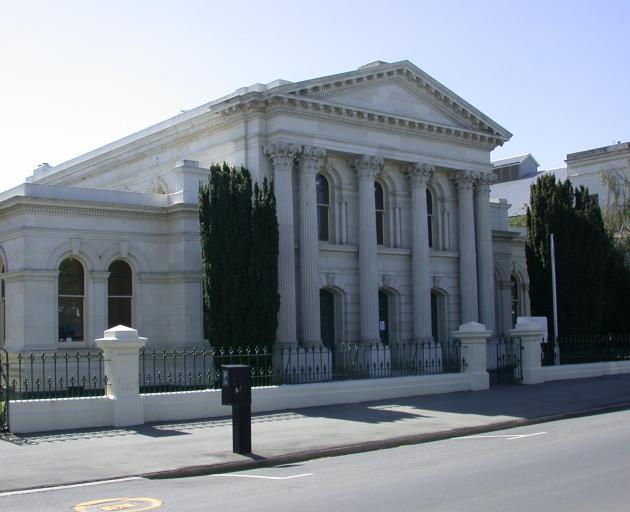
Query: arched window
[[70, 300], [323, 208], [380, 213], [430, 216], [515, 299], [119, 294]]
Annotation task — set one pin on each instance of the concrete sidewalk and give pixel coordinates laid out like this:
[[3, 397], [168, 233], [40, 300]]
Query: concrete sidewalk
[[199, 447]]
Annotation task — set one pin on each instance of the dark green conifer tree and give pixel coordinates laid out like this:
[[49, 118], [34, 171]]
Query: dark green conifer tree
[[240, 264]]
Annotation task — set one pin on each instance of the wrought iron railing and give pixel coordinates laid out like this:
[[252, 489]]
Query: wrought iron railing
[[4, 391], [56, 375], [173, 370], [507, 367], [588, 349]]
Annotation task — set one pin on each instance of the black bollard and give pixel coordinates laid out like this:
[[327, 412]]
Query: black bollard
[[236, 391]]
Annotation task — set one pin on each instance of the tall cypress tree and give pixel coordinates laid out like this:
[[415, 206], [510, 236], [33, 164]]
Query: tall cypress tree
[[264, 265], [580, 245], [239, 249]]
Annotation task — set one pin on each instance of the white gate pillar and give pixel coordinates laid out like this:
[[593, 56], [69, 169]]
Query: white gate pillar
[[531, 336], [120, 347], [474, 337]]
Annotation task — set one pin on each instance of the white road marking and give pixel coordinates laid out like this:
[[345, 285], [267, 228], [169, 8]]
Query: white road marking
[[71, 486], [507, 437], [265, 477]]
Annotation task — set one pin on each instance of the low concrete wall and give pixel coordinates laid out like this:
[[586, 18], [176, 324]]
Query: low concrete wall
[[207, 404], [67, 413], [60, 414], [585, 371]]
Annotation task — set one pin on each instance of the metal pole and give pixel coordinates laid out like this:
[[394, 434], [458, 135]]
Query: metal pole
[[556, 349]]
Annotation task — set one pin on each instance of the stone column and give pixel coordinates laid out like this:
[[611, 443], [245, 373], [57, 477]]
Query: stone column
[[98, 304], [120, 346], [474, 338], [311, 162], [367, 168], [282, 156], [467, 250], [531, 336], [485, 258], [505, 299], [419, 174]]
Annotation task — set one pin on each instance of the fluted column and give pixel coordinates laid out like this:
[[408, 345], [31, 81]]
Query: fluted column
[[282, 156], [367, 168], [467, 248], [419, 174], [311, 162], [485, 258]]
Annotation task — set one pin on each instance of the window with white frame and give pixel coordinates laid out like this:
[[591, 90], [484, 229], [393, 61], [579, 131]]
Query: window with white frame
[[379, 201], [119, 294], [323, 208], [71, 301]]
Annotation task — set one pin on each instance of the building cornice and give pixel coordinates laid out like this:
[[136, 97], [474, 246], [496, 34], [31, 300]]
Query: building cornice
[[279, 104]]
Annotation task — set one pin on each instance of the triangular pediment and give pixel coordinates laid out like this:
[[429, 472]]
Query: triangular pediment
[[398, 89], [390, 96]]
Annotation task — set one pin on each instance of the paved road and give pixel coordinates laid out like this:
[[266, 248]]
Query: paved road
[[575, 465]]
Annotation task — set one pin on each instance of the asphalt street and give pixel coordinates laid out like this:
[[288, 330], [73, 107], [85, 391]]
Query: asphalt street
[[579, 464]]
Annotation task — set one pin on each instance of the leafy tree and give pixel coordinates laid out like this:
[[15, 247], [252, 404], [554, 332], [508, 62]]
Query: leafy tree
[[239, 259], [616, 211]]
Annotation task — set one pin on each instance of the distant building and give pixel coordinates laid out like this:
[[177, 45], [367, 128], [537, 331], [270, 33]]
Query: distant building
[[515, 168], [588, 167], [516, 175]]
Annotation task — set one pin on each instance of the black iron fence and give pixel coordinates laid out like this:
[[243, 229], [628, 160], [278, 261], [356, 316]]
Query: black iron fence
[[508, 368], [55, 375], [588, 349], [4, 391], [173, 370]]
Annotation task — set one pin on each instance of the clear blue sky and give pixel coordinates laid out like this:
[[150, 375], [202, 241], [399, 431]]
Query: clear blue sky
[[79, 74]]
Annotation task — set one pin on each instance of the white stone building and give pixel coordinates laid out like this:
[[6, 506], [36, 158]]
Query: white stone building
[[387, 229]]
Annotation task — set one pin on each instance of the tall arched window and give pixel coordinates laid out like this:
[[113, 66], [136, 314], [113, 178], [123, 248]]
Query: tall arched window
[[380, 213], [323, 208], [119, 294], [515, 299], [70, 300], [430, 216]]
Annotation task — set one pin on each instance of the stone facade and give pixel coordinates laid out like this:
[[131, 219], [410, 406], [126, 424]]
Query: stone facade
[[405, 164]]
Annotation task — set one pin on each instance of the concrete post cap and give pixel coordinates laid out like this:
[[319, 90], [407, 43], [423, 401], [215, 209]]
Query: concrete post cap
[[121, 332]]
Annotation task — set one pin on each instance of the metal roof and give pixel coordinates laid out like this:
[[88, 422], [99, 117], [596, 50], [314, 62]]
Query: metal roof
[[517, 192]]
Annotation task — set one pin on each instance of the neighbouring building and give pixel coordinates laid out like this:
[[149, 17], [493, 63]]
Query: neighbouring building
[[515, 175], [387, 229]]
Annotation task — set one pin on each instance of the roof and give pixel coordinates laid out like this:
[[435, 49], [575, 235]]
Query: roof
[[476, 125], [516, 192], [519, 159]]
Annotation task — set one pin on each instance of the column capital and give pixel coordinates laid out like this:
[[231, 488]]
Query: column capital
[[483, 180], [282, 155], [463, 180], [312, 159], [419, 174], [367, 167]]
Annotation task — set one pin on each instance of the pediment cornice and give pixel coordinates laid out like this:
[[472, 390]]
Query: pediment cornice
[[320, 109], [413, 79]]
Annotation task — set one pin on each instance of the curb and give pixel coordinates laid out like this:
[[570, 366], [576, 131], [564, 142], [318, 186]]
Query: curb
[[291, 458]]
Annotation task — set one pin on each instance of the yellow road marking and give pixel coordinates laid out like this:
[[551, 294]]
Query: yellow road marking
[[116, 504]]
